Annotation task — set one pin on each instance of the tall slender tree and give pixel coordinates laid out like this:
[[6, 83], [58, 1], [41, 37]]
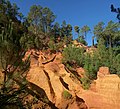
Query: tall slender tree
[[40, 19], [110, 33], [84, 30], [77, 30]]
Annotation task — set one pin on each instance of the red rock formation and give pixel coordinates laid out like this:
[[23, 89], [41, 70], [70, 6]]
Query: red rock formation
[[80, 71], [109, 87], [74, 103], [103, 71], [54, 79]]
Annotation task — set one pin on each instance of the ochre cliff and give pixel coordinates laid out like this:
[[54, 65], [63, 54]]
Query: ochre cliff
[[50, 74]]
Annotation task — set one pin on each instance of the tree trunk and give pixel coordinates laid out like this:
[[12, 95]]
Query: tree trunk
[[93, 42], [110, 42]]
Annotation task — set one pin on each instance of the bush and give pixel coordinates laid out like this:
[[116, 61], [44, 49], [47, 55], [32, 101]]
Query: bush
[[73, 55], [80, 39], [52, 45], [55, 46], [91, 65], [117, 64], [66, 95], [85, 82]]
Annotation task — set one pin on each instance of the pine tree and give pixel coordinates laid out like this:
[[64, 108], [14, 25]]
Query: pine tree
[[12, 66]]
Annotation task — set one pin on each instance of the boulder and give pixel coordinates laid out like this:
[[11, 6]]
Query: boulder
[[102, 72]]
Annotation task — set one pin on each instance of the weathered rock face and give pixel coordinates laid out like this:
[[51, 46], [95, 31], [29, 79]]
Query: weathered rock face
[[105, 92], [78, 103], [95, 100], [53, 81], [74, 103], [52, 67], [109, 87], [38, 77], [52, 77], [103, 71]]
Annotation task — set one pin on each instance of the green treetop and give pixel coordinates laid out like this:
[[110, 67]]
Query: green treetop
[[40, 19], [84, 30]]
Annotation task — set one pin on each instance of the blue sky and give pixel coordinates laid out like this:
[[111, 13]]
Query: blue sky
[[75, 12]]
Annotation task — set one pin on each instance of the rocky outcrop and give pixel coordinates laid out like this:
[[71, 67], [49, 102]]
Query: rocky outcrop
[[74, 103], [54, 78], [103, 71], [37, 76], [78, 44], [105, 92], [109, 87]]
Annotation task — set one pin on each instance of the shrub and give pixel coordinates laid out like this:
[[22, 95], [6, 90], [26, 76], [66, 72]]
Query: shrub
[[66, 95], [80, 39], [91, 65], [85, 82], [117, 64], [52, 45], [73, 55]]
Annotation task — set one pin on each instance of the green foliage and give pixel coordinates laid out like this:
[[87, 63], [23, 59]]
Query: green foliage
[[65, 30], [116, 10], [38, 43], [110, 33], [28, 41], [81, 40], [116, 50], [91, 66], [12, 66], [69, 67], [103, 53], [84, 30], [85, 82], [117, 64], [52, 45], [108, 57], [73, 55], [66, 95], [32, 41], [98, 29], [40, 19], [56, 30], [77, 30]]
